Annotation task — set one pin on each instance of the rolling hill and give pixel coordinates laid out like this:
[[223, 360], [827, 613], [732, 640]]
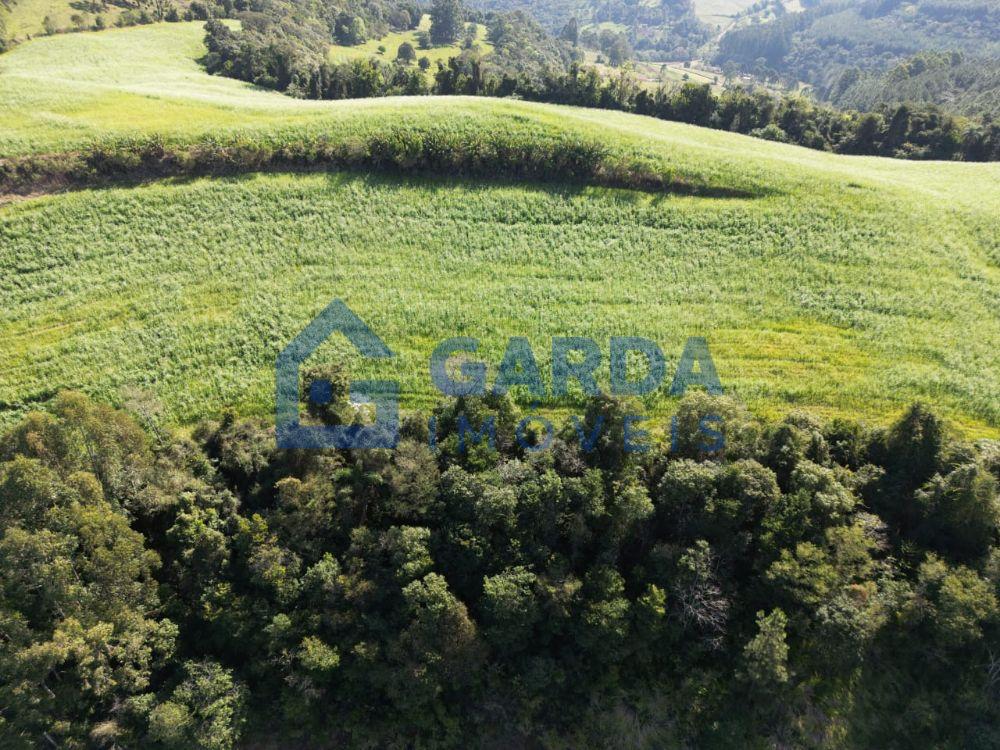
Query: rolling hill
[[826, 283], [26, 18]]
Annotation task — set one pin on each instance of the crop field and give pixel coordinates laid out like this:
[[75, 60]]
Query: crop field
[[831, 284], [392, 41]]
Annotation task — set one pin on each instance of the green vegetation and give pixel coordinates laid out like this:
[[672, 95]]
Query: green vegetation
[[393, 40], [278, 50], [969, 86], [798, 588], [26, 18], [843, 303], [517, 68], [61, 92], [654, 75], [833, 38], [720, 13], [447, 21], [840, 285], [826, 576], [652, 29]]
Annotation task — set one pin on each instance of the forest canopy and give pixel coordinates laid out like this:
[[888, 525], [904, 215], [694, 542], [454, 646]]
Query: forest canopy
[[883, 48], [806, 581]]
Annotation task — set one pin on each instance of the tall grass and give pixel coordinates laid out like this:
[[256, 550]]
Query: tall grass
[[190, 289], [834, 284]]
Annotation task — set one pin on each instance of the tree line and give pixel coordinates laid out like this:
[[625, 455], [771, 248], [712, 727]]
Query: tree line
[[909, 131], [811, 583], [903, 131]]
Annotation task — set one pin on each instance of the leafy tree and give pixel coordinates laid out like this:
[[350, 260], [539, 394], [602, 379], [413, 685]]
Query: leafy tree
[[205, 711], [406, 53], [77, 601], [510, 608], [571, 32], [619, 51], [960, 512], [446, 21], [400, 19], [350, 29], [766, 655]]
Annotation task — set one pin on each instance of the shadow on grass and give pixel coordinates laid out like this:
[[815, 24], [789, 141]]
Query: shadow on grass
[[432, 158]]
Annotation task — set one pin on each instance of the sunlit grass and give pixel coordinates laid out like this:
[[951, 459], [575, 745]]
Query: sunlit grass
[[26, 18], [192, 289], [393, 40], [719, 12], [846, 286]]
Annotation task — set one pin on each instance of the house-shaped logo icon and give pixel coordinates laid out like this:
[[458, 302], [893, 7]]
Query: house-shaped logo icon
[[384, 394]]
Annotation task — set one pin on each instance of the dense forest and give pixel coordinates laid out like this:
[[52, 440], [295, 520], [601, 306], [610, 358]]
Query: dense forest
[[793, 584], [834, 38], [965, 86], [658, 30]]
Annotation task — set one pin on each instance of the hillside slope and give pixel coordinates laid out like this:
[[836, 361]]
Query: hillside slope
[[964, 86], [831, 38], [838, 285]]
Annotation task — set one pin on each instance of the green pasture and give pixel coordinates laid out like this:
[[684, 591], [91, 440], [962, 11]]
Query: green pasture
[[720, 12], [836, 285], [26, 18], [392, 41]]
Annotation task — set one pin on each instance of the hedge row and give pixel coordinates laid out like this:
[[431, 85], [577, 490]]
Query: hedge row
[[398, 150]]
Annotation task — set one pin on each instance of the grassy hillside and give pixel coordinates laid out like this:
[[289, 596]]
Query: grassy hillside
[[720, 13], [25, 18], [59, 92], [839, 285], [831, 38]]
